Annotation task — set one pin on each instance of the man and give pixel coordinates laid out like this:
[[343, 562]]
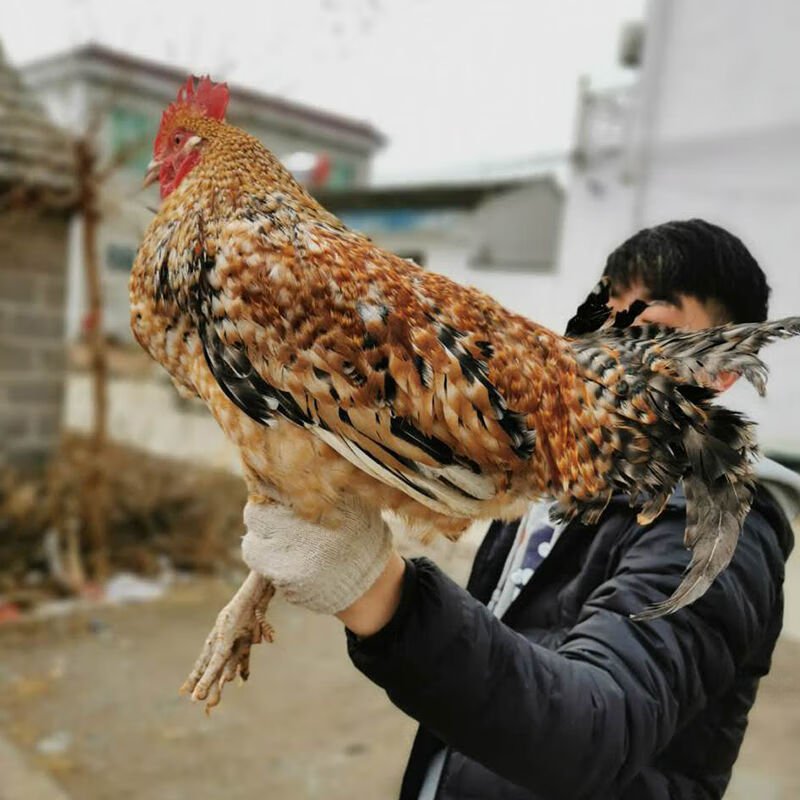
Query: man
[[535, 682]]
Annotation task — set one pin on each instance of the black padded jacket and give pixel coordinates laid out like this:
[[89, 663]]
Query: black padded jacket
[[567, 697]]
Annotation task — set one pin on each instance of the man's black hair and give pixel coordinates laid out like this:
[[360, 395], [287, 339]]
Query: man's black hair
[[694, 258]]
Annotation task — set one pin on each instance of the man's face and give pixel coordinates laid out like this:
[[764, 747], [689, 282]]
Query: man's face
[[685, 312]]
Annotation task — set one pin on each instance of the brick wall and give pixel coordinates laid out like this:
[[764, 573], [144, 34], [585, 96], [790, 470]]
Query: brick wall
[[33, 254]]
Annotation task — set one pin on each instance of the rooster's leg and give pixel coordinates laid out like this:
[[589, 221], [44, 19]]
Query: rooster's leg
[[226, 652]]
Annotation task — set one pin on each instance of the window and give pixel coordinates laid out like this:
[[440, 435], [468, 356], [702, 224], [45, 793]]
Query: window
[[119, 257], [343, 174], [132, 129]]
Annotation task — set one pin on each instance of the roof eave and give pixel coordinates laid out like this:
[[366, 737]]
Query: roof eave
[[61, 63]]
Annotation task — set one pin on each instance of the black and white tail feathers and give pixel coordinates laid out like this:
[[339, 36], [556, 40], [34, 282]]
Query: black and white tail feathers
[[707, 446], [718, 485]]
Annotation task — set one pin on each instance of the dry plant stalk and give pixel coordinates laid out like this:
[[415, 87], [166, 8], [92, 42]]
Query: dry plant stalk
[[154, 508]]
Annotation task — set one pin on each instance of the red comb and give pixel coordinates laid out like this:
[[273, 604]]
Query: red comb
[[207, 98]]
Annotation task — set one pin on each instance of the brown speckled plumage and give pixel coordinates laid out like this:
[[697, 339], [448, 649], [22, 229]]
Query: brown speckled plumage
[[338, 367]]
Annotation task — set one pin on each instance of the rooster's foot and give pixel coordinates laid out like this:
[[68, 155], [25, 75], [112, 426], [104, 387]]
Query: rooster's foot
[[226, 652]]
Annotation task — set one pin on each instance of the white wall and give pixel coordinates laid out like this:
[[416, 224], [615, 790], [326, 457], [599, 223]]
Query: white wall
[[146, 412], [727, 67], [597, 218]]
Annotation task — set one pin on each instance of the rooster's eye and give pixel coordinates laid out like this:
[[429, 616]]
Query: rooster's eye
[[177, 138]]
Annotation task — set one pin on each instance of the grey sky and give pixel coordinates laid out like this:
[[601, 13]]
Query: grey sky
[[452, 84]]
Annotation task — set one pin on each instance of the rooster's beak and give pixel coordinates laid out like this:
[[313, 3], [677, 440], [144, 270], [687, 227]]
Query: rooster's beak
[[151, 176]]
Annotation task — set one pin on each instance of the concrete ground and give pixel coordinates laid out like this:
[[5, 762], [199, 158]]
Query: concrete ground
[[89, 710]]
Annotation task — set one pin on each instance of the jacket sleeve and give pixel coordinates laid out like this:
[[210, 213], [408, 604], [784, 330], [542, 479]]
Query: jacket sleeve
[[583, 719]]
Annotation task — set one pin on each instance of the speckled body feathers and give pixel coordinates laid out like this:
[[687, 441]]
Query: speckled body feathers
[[338, 367]]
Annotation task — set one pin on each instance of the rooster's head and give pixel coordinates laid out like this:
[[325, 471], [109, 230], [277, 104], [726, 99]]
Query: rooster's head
[[177, 146]]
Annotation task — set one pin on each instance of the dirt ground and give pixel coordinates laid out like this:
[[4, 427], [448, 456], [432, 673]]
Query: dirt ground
[[91, 700]]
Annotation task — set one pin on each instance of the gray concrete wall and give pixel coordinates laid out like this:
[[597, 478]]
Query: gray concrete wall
[[519, 229], [32, 355]]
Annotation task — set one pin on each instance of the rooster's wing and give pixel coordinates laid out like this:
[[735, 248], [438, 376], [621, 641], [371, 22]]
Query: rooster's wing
[[393, 367]]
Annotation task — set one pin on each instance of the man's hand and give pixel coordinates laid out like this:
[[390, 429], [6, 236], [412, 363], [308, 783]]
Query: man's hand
[[351, 571]]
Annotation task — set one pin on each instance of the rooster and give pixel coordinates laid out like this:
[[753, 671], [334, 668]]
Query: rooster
[[337, 367]]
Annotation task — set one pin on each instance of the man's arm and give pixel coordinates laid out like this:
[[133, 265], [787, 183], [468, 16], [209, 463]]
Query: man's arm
[[611, 696]]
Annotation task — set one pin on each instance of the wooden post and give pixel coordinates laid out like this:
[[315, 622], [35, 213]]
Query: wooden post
[[96, 484]]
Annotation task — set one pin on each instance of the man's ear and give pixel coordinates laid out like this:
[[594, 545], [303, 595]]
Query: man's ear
[[725, 380]]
